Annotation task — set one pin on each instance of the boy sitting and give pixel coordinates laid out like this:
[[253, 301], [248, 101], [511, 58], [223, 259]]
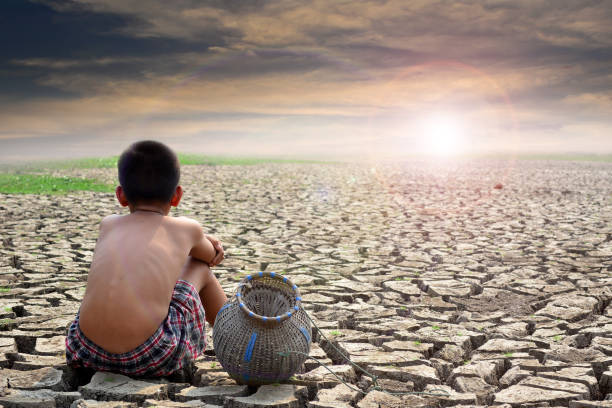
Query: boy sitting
[[150, 279]]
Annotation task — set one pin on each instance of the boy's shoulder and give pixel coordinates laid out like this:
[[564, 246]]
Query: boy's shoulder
[[109, 220], [186, 223], [114, 220]]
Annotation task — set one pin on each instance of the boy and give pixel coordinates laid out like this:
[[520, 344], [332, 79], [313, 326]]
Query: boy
[[150, 279]]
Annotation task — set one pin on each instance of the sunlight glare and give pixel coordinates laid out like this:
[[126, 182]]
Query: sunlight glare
[[443, 134]]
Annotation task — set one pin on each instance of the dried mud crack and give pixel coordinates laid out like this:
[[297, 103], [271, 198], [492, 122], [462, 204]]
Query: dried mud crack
[[426, 275]]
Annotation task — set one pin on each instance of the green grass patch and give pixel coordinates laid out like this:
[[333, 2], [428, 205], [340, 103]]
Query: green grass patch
[[435, 327], [591, 157], [335, 333], [43, 184], [17, 179], [111, 162], [4, 290], [189, 159], [568, 157], [85, 163]]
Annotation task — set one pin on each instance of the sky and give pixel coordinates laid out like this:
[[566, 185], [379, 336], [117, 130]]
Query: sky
[[298, 78]]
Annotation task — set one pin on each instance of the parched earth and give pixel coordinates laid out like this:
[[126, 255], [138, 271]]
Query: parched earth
[[468, 283]]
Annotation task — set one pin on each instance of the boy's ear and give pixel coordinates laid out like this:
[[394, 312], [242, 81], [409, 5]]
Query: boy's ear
[[176, 198], [121, 196]]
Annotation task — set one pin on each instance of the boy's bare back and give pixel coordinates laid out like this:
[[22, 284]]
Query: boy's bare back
[[150, 287], [137, 261]]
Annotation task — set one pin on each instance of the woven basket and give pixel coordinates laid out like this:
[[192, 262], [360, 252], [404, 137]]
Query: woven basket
[[263, 319]]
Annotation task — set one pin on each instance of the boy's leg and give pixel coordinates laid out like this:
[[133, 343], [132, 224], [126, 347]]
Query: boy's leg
[[211, 294]]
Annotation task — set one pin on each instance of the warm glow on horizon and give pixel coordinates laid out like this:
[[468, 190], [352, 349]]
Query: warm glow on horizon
[[443, 134]]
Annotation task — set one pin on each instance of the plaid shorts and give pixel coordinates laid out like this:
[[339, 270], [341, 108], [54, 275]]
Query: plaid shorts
[[178, 340]]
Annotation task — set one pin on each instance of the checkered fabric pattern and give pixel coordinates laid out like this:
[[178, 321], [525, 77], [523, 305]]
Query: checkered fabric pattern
[[179, 339]]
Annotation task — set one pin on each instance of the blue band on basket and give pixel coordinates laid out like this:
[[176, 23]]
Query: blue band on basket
[[251, 314], [272, 274], [288, 314], [294, 287], [285, 279], [225, 306], [238, 294], [295, 308], [278, 318], [260, 273], [249, 277], [241, 304], [265, 318], [249, 351], [305, 333], [298, 298]]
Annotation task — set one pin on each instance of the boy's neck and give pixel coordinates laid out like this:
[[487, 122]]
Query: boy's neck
[[150, 208]]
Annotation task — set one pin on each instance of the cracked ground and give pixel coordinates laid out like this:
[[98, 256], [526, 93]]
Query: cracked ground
[[485, 282]]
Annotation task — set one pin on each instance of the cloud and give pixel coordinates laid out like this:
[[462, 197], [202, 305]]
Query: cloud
[[56, 63], [316, 71], [397, 23]]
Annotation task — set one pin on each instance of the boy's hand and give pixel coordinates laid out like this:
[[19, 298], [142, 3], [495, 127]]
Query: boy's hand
[[218, 248]]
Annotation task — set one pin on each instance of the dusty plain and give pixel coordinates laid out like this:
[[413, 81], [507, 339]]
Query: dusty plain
[[425, 274]]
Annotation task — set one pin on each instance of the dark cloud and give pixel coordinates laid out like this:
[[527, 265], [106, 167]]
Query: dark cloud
[[37, 30], [18, 87], [66, 31]]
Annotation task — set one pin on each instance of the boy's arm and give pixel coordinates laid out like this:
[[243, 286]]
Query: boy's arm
[[202, 248], [218, 248]]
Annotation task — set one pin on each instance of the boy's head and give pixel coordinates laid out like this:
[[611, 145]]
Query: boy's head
[[148, 172]]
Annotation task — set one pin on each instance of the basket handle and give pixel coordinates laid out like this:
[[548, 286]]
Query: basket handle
[[269, 319]]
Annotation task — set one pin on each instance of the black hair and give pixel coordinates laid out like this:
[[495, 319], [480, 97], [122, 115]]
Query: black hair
[[148, 172]]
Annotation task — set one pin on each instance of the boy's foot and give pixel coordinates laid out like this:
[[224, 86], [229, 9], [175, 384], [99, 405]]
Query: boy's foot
[[76, 377], [184, 375]]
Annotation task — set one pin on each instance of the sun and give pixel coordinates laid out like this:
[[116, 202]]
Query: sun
[[443, 134]]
